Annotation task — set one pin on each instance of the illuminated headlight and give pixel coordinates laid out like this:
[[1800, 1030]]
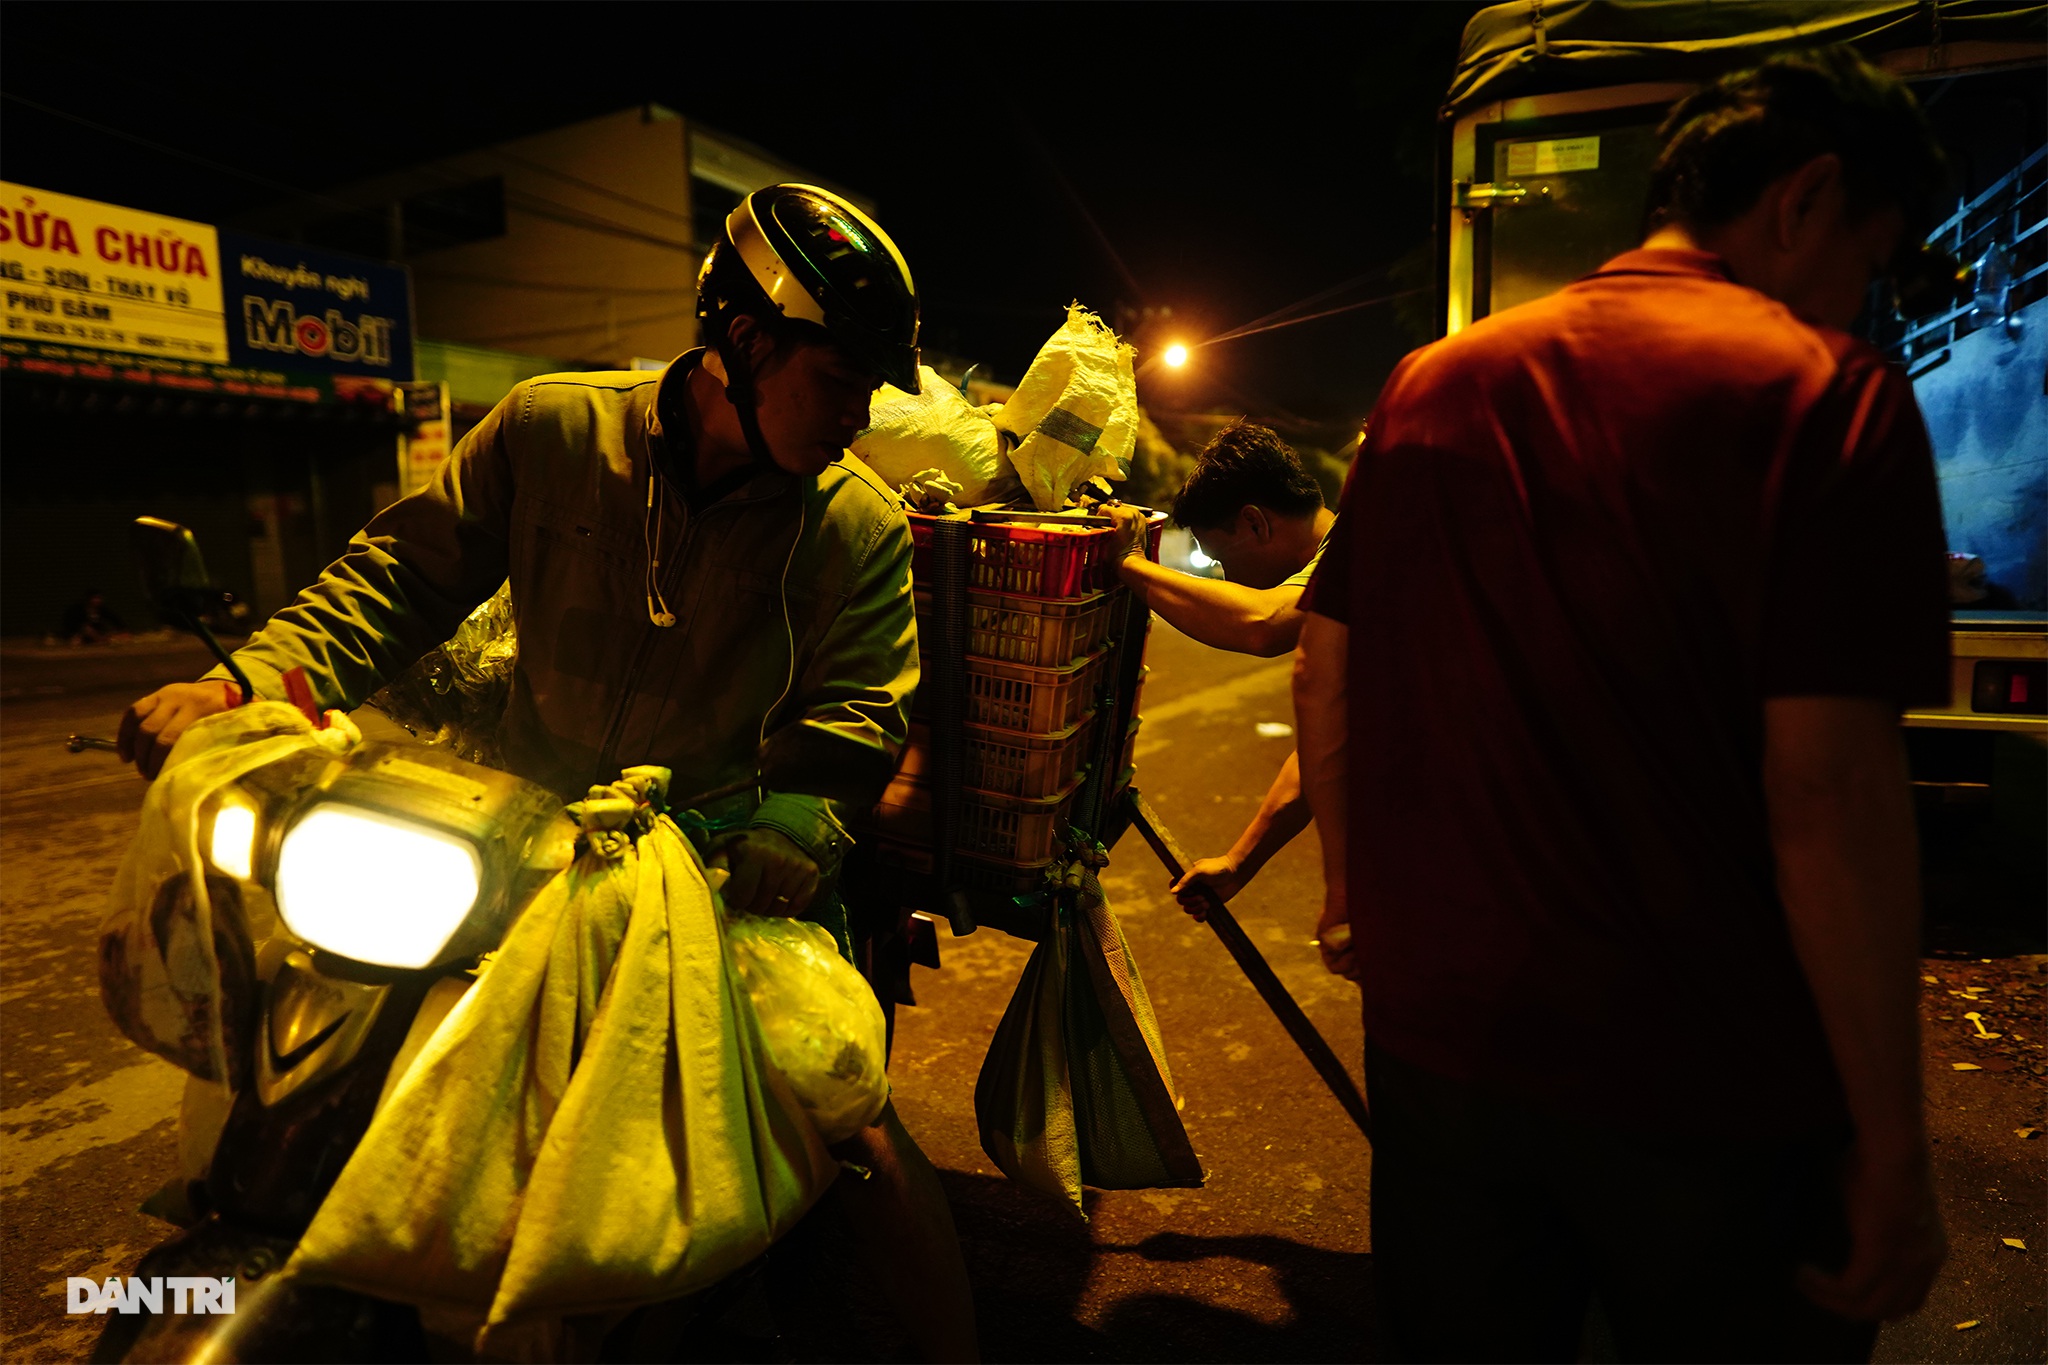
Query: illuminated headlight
[[233, 846], [374, 888]]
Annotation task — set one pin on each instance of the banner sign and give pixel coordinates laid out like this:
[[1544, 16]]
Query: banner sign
[[75, 272], [422, 452], [96, 292], [315, 311]]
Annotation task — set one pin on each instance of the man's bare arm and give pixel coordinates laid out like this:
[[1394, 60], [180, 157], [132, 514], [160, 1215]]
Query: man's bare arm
[[1842, 832], [1282, 815], [1322, 735], [1261, 621]]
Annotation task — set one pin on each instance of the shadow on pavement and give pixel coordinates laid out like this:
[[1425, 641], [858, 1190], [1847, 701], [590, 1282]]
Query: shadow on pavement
[[1032, 1263]]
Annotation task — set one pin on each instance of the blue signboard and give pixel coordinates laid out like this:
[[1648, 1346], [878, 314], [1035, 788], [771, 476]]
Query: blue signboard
[[295, 308]]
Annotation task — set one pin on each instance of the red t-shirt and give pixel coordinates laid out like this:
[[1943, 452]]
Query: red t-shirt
[[1584, 540]]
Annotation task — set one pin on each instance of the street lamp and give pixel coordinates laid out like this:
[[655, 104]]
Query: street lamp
[[1176, 356]]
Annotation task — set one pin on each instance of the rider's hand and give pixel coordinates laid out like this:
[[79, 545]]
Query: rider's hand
[[770, 874], [1333, 936], [1131, 529], [1223, 877], [1895, 1240], [151, 726]]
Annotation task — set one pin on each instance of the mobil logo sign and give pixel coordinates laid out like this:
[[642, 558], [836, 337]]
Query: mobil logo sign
[[275, 325], [291, 307]]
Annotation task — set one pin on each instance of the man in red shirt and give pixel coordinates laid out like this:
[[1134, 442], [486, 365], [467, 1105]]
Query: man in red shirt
[[1598, 704]]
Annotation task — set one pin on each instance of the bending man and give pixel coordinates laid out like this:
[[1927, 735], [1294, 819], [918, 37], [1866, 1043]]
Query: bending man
[[1254, 509]]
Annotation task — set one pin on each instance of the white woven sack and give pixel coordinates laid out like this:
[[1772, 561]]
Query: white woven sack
[[911, 434], [1075, 414]]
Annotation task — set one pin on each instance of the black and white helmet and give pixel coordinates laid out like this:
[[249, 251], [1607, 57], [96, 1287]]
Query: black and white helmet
[[814, 258]]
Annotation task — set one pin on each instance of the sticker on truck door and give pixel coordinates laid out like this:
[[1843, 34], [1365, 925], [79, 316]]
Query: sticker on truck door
[[1554, 156]]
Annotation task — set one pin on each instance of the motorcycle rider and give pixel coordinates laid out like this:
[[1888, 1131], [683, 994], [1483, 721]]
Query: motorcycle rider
[[701, 579]]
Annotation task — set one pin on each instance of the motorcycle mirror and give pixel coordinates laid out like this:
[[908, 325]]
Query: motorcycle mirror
[[174, 576], [173, 570]]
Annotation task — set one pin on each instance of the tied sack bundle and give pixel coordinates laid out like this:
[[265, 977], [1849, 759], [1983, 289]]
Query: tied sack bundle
[[604, 1121], [1074, 415]]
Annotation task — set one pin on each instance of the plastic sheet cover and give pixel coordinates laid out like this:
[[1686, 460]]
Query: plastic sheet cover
[[177, 965], [454, 696]]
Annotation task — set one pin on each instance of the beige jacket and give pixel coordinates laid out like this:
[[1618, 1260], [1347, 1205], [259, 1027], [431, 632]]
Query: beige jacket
[[791, 596]]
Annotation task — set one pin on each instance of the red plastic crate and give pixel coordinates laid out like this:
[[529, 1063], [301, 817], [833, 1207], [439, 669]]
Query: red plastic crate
[[1030, 559]]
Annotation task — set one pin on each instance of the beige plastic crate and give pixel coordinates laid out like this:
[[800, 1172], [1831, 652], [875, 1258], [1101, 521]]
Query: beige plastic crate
[[1010, 828], [1009, 763], [1029, 630], [991, 875], [1036, 701], [1039, 701]]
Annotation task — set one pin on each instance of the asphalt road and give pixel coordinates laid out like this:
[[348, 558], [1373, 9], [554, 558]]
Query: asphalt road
[[1268, 1261], [87, 1119]]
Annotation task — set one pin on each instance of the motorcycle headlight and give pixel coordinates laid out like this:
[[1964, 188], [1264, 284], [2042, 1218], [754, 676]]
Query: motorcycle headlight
[[375, 887], [233, 845]]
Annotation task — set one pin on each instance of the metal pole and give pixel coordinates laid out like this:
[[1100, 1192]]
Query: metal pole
[[1255, 967]]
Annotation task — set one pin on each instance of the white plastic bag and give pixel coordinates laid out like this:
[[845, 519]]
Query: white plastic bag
[[177, 950], [819, 1019], [912, 435], [1075, 413]]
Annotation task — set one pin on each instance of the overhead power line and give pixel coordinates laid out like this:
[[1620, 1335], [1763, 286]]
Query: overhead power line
[[601, 325], [1313, 299], [543, 286], [1074, 198], [1250, 331], [166, 149], [592, 186]]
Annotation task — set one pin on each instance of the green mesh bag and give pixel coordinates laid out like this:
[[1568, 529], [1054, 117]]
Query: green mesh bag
[[1075, 1089]]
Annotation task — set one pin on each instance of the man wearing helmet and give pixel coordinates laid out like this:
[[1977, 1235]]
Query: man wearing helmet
[[700, 579]]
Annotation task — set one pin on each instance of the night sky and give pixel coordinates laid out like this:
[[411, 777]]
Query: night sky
[[1221, 160]]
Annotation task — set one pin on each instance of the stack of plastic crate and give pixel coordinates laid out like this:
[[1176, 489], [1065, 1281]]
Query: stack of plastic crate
[[1044, 605]]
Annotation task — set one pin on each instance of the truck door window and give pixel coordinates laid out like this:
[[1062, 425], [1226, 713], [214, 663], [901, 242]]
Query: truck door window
[[1584, 190]]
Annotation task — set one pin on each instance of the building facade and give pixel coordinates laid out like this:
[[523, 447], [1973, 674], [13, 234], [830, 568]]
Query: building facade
[[575, 248], [580, 244]]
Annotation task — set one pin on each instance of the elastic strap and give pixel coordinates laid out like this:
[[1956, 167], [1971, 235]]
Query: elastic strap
[[946, 655]]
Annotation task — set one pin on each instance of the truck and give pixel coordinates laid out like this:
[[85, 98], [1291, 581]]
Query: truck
[[1546, 140]]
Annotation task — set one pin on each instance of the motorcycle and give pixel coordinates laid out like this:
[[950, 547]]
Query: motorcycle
[[354, 896]]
